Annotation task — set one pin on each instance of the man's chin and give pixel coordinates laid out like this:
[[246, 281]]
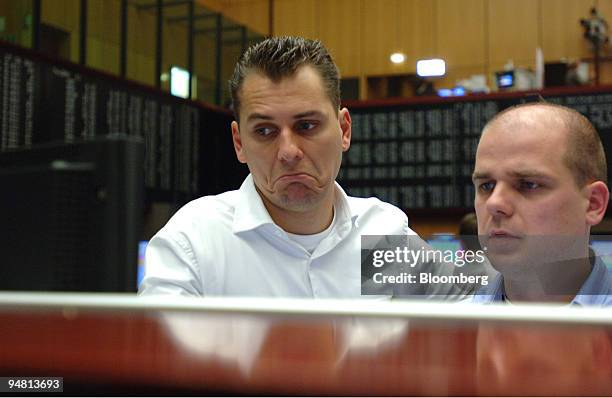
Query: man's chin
[[299, 202], [506, 262]]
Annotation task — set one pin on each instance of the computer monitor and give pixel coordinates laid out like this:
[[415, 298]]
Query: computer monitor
[[505, 79], [444, 241], [142, 248], [71, 216], [555, 74]]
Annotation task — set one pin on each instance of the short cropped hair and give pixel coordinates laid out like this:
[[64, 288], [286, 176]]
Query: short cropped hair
[[280, 57], [468, 232], [584, 155]]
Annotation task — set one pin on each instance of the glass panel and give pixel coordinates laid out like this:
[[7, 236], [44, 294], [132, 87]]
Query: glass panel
[[232, 44], [59, 28], [236, 39], [141, 38], [104, 35], [16, 22], [175, 31], [204, 54]]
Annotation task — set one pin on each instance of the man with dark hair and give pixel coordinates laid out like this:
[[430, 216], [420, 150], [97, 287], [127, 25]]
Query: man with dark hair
[[290, 230], [540, 179]]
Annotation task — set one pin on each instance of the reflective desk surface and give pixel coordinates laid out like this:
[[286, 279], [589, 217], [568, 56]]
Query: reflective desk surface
[[126, 344]]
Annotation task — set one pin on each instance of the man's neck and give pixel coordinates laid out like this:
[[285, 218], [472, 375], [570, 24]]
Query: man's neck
[[551, 284]]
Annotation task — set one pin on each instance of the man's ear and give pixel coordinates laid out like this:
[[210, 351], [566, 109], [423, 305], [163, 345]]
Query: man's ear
[[345, 125], [598, 197], [237, 140]]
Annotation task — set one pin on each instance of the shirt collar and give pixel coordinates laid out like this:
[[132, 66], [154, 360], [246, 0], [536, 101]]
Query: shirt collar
[[494, 292], [251, 213], [597, 289]]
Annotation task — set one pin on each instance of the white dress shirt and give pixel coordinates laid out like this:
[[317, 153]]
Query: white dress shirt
[[228, 245]]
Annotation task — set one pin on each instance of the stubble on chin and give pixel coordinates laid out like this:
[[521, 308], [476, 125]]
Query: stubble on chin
[[305, 200]]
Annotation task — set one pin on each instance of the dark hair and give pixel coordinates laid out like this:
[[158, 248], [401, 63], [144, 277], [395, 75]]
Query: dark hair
[[280, 57], [584, 155], [468, 232]]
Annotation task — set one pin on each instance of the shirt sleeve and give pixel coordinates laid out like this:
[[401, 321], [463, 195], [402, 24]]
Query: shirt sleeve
[[170, 268]]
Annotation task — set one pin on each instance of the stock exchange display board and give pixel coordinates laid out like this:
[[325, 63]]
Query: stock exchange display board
[[44, 100], [421, 155]]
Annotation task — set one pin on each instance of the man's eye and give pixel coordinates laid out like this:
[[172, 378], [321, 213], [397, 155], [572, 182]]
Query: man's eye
[[264, 131], [486, 186], [529, 185], [305, 126]]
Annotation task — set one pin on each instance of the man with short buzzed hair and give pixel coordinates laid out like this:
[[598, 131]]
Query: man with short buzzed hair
[[541, 184]]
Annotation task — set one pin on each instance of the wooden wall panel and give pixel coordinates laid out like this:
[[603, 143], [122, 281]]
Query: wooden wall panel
[[63, 14], [405, 26], [103, 55], [253, 14], [141, 46], [513, 31], [460, 29], [460, 32], [605, 73], [340, 33], [103, 20], [562, 35], [381, 37], [296, 17], [140, 68], [605, 8], [417, 30], [103, 35]]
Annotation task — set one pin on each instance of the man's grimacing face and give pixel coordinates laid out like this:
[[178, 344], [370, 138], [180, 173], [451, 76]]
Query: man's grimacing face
[[291, 138], [525, 193]]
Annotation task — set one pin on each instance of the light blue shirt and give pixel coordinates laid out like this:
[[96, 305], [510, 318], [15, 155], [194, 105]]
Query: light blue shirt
[[596, 290]]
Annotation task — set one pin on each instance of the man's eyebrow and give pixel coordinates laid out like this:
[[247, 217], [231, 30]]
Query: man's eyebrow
[[258, 116], [479, 175], [307, 114], [261, 116], [527, 173]]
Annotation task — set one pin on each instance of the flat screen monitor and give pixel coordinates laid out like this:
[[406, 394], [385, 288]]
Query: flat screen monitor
[[444, 242], [555, 74], [505, 79], [142, 248], [71, 216]]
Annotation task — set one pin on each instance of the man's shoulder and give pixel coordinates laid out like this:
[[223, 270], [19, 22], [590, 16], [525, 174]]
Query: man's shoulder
[[206, 211], [490, 293], [363, 206], [375, 217]]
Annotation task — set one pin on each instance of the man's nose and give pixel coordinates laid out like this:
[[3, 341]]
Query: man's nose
[[289, 147], [500, 201]]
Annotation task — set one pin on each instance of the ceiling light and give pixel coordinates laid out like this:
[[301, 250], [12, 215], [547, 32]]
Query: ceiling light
[[431, 67], [397, 58]]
